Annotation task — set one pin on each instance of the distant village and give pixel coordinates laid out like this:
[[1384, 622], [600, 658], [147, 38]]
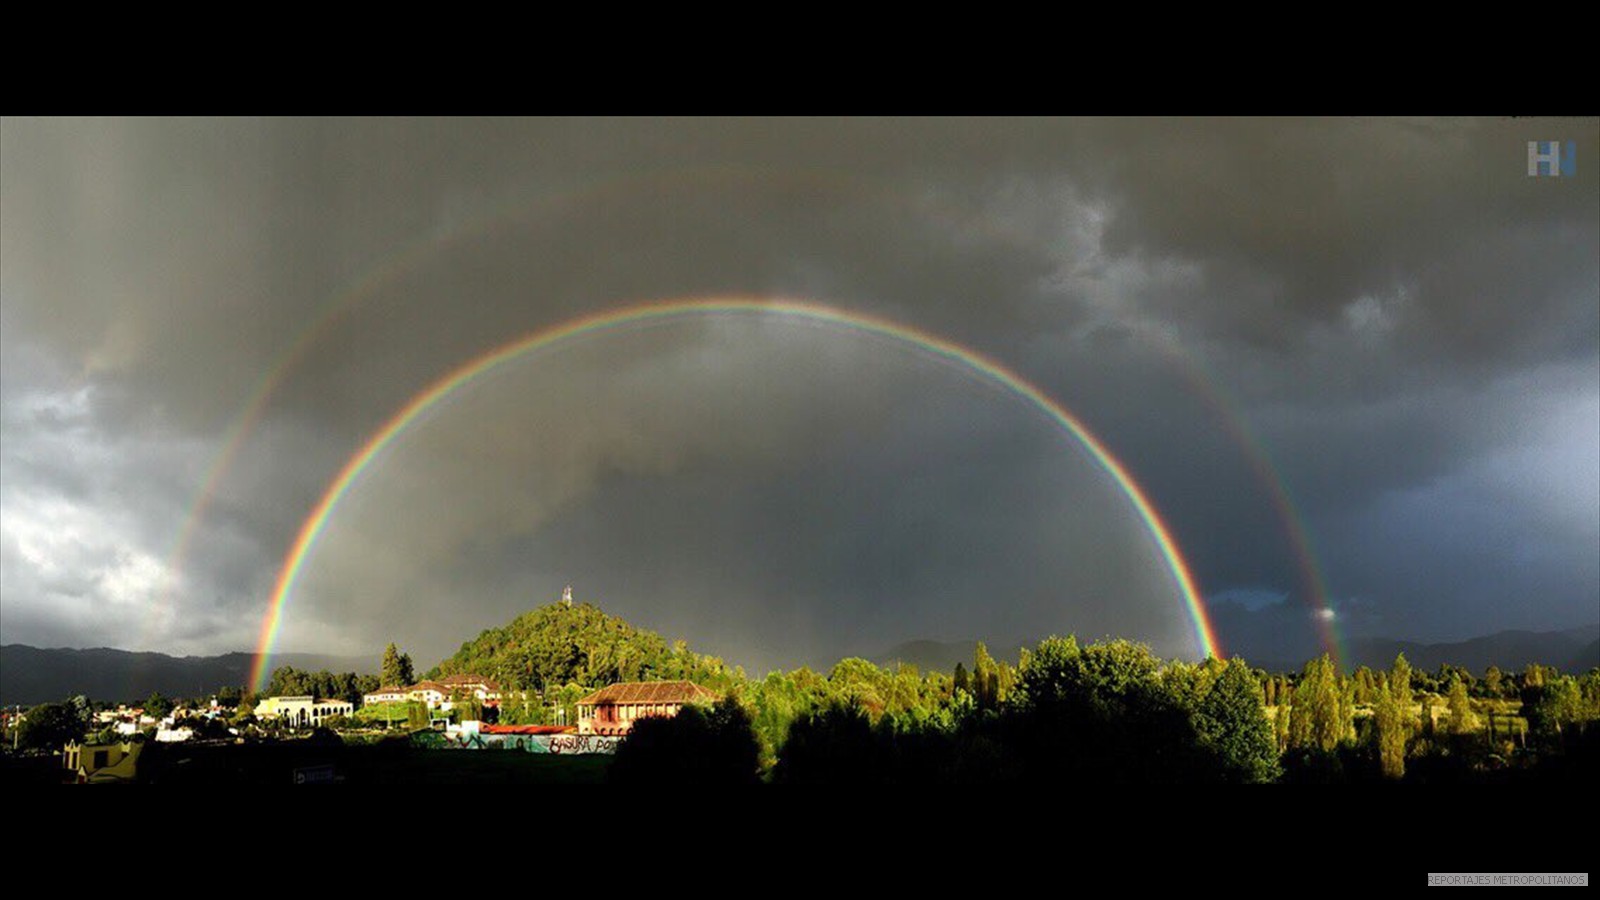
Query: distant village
[[111, 754], [457, 711]]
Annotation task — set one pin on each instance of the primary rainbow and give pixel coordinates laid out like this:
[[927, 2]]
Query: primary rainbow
[[316, 522]]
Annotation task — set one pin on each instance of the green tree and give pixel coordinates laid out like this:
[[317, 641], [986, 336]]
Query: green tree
[[1315, 715], [1366, 686], [1347, 710], [1493, 682], [961, 681], [835, 745], [416, 715], [1554, 704], [396, 668], [1105, 712], [1393, 729], [50, 725], [1400, 689], [468, 708], [1233, 724], [158, 706], [1462, 719], [985, 678]]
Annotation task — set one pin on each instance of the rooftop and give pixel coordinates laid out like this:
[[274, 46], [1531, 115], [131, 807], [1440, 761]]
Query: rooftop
[[650, 692]]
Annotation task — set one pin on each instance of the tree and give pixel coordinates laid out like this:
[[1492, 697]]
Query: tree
[[1347, 710], [962, 682], [1233, 724], [832, 746], [1315, 715], [1393, 730], [1493, 682], [1556, 702], [1105, 712], [416, 715], [715, 747], [158, 706], [1462, 719], [392, 670], [1366, 686], [50, 725], [1400, 687], [985, 678]]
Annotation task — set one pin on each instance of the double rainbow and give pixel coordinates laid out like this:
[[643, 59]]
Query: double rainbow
[[977, 363]]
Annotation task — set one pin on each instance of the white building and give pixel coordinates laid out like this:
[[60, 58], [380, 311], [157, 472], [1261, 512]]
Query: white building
[[303, 711], [386, 694], [174, 735]]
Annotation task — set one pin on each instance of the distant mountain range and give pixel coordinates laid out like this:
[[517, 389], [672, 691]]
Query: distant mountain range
[[1574, 650], [30, 675]]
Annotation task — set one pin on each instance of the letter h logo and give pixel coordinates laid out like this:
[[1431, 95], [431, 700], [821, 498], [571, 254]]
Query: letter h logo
[[1546, 158]]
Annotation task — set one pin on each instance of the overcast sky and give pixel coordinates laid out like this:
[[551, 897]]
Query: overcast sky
[[1389, 313]]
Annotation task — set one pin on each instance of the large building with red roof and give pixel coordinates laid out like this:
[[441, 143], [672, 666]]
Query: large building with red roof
[[612, 710]]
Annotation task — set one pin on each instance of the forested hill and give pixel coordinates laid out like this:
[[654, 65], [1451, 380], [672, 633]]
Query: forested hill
[[558, 645]]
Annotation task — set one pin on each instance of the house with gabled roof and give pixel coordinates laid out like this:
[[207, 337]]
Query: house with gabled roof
[[612, 710]]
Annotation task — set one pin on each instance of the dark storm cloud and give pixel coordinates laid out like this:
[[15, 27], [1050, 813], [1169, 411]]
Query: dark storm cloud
[[1406, 322]]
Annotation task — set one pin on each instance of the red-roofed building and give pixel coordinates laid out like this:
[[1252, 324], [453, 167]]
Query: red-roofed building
[[614, 709], [478, 686], [429, 692], [439, 694]]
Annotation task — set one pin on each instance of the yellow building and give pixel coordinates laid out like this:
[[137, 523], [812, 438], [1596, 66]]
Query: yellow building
[[101, 763]]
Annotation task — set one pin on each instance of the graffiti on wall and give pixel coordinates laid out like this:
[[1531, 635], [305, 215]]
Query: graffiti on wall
[[581, 743]]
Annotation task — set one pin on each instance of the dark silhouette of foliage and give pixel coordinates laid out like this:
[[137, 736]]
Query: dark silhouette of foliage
[[50, 725], [705, 747], [1101, 714], [834, 745]]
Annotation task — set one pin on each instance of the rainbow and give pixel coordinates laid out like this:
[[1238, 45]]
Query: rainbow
[[1209, 387], [315, 523], [1203, 384]]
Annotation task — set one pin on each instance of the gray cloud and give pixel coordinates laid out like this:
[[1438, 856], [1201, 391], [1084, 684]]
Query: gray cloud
[[1406, 322]]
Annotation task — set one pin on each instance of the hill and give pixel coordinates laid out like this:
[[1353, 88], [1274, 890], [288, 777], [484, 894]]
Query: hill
[[558, 645], [1585, 659], [30, 675]]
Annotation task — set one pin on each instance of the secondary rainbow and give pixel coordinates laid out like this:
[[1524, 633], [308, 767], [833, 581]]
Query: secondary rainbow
[[317, 521], [1208, 386]]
